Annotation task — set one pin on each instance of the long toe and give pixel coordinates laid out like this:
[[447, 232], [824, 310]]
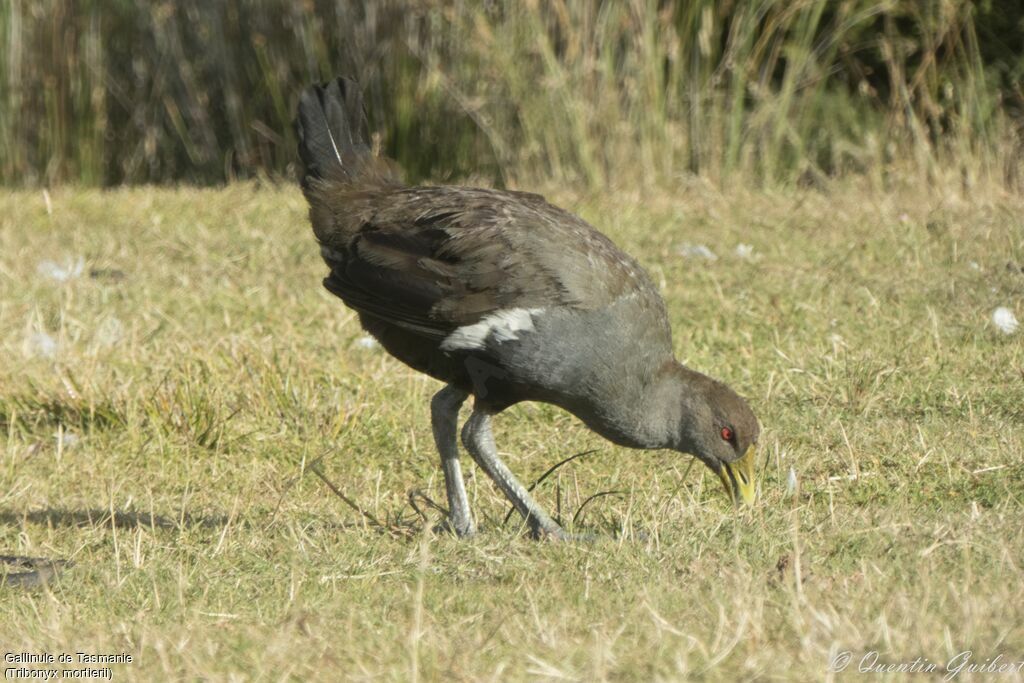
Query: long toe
[[460, 528], [558, 534]]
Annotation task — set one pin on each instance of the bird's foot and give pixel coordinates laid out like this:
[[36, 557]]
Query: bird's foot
[[560, 535], [462, 528]]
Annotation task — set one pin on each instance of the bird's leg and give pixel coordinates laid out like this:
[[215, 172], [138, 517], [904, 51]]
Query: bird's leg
[[479, 441], [444, 418]]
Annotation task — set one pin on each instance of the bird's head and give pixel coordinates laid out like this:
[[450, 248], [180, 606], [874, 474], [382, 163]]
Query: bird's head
[[719, 428]]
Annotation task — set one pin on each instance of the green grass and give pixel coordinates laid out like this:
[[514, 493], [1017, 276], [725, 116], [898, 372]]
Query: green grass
[[203, 368]]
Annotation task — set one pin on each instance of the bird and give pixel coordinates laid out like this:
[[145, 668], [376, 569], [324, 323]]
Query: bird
[[507, 298]]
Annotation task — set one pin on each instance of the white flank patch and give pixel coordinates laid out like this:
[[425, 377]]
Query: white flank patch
[[501, 326], [1005, 320], [367, 342]]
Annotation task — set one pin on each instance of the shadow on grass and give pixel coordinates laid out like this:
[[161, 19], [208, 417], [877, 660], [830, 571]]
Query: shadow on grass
[[18, 571], [92, 517], [97, 517], [21, 572]]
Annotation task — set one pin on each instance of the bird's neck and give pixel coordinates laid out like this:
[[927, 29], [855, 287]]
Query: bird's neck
[[649, 412]]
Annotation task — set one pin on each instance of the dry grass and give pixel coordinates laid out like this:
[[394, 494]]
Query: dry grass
[[105, 93], [202, 368]]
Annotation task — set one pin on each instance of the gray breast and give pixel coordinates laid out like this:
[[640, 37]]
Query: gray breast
[[588, 362]]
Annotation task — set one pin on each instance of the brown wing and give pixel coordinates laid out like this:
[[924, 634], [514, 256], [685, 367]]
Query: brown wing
[[432, 259]]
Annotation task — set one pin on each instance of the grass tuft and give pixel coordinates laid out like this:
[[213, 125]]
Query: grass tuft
[[597, 94]]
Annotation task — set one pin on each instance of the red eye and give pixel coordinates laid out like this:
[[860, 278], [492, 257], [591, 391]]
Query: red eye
[[726, 434]]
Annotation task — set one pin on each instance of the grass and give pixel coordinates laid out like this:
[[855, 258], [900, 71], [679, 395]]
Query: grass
[[785, 91], [201, 370]]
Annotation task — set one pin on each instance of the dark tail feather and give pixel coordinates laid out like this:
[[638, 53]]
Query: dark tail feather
[[332, 129]]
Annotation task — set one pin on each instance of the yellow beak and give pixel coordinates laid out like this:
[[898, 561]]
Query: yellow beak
[[738, 477]]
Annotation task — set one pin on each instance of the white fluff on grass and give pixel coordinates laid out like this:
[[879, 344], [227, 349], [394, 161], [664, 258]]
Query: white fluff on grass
[[40, 345], [1004, 319], [109, 333], [69, 270], [698, 251], [791, 482], [66, 439], [745, 251]]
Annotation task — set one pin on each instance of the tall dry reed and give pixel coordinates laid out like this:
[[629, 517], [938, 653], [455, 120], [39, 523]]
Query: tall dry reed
[[601, 92]]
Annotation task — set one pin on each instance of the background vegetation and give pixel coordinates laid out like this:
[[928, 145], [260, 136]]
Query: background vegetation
[[166, 399], [826, 193], [104, 92]]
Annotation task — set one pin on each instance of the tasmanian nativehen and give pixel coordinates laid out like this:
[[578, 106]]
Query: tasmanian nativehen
[[503, 296]]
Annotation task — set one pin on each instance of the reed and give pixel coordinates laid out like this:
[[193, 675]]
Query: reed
[[596, 93]]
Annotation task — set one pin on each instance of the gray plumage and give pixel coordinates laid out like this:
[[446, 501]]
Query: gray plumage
[[505, 297]]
